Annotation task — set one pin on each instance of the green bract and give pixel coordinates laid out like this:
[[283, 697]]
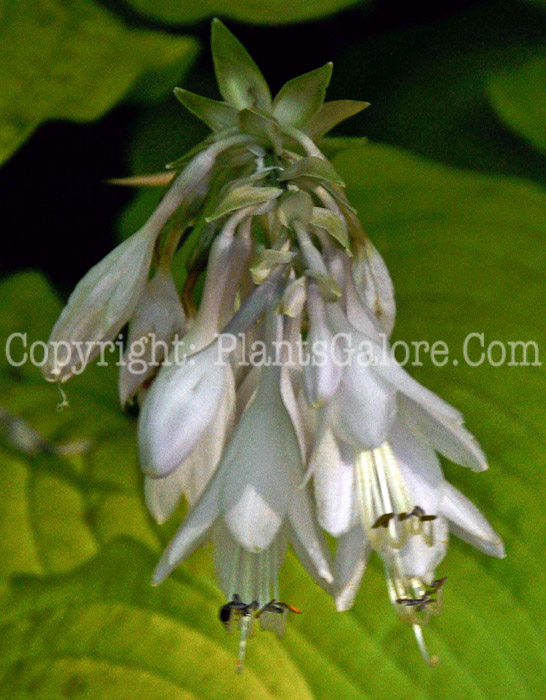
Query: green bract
[[248, 106]]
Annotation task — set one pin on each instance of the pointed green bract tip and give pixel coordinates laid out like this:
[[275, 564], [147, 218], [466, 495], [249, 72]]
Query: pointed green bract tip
[[240, 80], [302, 97], [216, 115]]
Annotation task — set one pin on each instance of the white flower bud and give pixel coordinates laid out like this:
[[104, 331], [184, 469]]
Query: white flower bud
[[158, 318]]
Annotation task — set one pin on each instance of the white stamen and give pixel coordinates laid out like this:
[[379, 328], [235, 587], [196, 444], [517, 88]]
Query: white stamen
[[431, 660], [246, 628], [381, 492]]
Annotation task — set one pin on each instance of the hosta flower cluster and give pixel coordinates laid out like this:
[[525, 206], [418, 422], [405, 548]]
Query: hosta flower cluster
[[314, 437]]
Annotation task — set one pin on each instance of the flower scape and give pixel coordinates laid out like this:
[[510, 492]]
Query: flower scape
[[272, 454]]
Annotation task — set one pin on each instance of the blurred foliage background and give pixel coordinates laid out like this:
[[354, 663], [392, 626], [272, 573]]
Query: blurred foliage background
[[450, 186]]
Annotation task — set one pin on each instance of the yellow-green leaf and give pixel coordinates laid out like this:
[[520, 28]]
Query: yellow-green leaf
[[73, 60], [264, 12]]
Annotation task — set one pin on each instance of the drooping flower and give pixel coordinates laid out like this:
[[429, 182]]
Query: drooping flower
[[394, 500], [253, 505], [106, 298]]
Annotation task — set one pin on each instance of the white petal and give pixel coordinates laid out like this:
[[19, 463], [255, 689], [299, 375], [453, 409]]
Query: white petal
[[291, 405], [416, 557], [247, 390], [407, 385], [364, 408], [193, 532], [207, 321], [157, 319], [466, 521], [365, 403], [334, 484], [337, 267], [307, 540], [352, 553], [449, 437], [293, 298], [238, 265], [163, 495], [203, 461], [376, 353], [374, 285], [193, 475], [180, 405], [360, 316], [255, 514], [100, 305], [263, 460], [322, 374], [419, 468]]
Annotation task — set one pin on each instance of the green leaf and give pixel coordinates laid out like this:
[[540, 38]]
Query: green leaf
[[428, 86], [104, 633], [73, 61], [331, 114], [244, 196], [264, 12], [519, 96], [312, 167], [216, 115], [239, 78], [295, 206], [302, 97]]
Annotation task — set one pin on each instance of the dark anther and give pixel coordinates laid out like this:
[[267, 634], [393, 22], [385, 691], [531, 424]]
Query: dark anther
[[236, 606], [437, 585], [418, 512], [418, 603], [383, 520], [277, 606]]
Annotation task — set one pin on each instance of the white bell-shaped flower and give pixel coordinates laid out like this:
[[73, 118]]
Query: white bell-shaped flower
[[406, 512], [254, 502]]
